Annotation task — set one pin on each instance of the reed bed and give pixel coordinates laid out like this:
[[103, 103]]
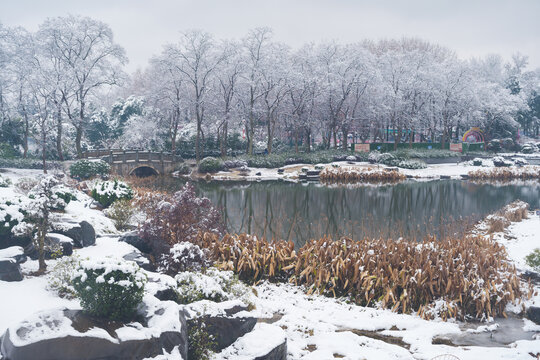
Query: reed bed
[[450, 278], [350, 175], [513, 212], [506, 174], [251, 258], [447, 278]]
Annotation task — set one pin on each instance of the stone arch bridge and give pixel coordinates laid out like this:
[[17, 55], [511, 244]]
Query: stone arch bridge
[[135, 162]]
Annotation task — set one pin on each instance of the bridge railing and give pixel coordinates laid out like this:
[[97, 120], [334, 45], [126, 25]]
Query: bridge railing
[[123, 156]]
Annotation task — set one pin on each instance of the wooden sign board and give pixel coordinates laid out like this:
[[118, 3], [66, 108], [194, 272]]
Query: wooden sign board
[[361, 147], [456, 147]]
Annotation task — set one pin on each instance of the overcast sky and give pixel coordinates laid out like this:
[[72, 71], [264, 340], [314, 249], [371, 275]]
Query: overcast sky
[[470, 27]]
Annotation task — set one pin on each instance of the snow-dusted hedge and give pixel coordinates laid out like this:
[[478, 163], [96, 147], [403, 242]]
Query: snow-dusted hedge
[[109, 288], [213, 285], [85, 169], [20, 163], [210, 164], [4, 182], [499, 161], [107, 192]]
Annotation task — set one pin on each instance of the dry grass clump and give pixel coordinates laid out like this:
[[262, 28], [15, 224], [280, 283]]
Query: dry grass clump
[[513, 212], [349, 175], [468, 276], [251, 258], [506, 174]]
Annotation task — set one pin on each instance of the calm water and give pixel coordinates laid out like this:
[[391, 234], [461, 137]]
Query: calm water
[[300, 211]]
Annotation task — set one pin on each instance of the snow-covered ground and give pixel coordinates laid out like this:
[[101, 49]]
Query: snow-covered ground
[[316, 327]]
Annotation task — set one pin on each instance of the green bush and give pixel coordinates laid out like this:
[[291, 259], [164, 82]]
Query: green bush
[[533, 259], [210, 164], [7, 151], [107, 192], [85, 169], [200, 342], [109, 288], [60, 277], [121, 213]]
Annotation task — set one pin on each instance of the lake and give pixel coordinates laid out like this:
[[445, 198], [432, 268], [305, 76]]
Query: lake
[[302, 211]]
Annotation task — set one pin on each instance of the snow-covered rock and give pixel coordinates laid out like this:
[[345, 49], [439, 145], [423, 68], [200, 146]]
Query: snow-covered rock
[[69, 334], [82, 233], [227, 327], [265, 342], [10, 258]]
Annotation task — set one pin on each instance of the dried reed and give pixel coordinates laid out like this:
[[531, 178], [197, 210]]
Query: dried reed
[[506, 174], [349, 175]]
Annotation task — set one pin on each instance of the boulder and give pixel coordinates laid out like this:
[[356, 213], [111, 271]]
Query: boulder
[[56, 245], [140, 259], [82, 233], [225, 329], [70, 334], [14, 252], [265, 342], [133, 239], [533, 314], [10, 270]]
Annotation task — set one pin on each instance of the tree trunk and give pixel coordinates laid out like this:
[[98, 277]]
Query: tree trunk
[[59, 134], [397, 137], [25, 137], [44, 147], [345, 134], [41, 245]]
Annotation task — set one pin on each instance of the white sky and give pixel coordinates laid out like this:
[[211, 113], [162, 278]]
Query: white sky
[[142, 27]]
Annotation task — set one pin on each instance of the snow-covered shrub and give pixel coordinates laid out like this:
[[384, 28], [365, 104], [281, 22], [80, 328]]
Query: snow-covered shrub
[[385, 158], [184, 256], [85, 169], [499, 161], [529, 148], [121, 212], [4, 182], [109, 288], [533, 260], [351, 158], [236, 163], [214, 285], [183, 169], [210, 164], [494, 145], [107, 192], [304, 170], [20, 163], [520, 161], [374, 156], [11, 214], [64, 193], [26, 184], [318, 167], [60, 277], [477, 162], [411, 164], [177, 218]]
